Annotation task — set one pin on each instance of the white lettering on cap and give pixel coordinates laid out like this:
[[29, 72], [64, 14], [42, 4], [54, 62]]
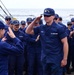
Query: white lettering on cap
[[46, 11]]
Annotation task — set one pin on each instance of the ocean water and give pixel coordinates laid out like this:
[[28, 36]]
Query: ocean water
[[22, 14]]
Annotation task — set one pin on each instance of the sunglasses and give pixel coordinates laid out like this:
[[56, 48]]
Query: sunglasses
[[16, 24], [69, 24], [47, 15], [7, 19]]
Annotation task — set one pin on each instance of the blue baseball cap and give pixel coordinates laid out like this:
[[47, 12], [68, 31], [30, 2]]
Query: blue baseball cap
[[60, 18], [23, 22], [49, 12], [7, 18], [29, 20], [2, 26], [72, 19], [56, 16], [69, 23], [15, 22], [11, 22]]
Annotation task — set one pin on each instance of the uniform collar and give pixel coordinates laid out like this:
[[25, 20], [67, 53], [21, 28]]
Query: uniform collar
[[15, 31], [53, 23]]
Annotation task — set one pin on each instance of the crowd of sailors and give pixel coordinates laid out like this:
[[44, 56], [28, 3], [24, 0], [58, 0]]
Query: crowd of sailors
[[29, 61]]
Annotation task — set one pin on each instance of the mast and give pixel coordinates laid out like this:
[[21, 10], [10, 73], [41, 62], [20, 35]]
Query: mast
[[6, 9]]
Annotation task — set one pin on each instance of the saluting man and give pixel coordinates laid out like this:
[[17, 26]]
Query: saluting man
[[54, 43]]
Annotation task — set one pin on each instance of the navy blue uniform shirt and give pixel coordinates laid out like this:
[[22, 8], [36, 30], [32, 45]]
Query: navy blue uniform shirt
[[72, 28], [62, 25], [19, 34], [52, 47], [21, 29], [31, 40], [72, 37], [5, 50], [68, 36]]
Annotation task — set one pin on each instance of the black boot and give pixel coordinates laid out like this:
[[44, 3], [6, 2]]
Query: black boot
[[68, 71]]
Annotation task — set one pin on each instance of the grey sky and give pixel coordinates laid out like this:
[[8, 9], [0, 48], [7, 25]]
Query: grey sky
[[39, 3]]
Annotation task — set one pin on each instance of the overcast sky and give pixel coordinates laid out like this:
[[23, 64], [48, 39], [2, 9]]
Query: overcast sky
[[39, 3]]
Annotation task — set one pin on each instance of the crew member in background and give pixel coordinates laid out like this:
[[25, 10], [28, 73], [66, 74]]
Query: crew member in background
[[72, 42], [7, 23], [23, 25], [69, 60], [16, 63], [28, 20], [11, 24], [57, 20], [7, 20], [60, 19], [34, 66]]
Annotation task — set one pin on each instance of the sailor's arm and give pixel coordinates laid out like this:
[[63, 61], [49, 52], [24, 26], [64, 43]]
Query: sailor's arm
[[65, 51], [15, 48]]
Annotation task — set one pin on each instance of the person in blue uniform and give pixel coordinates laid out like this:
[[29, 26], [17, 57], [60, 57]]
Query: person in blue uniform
[[72, 42], [23, 25], [34, 54], [6, 48], [11, 24], [53, 42], [68, 68], [60, 19], [7, 20], [16, 63], [28, 20], [57, 20]]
